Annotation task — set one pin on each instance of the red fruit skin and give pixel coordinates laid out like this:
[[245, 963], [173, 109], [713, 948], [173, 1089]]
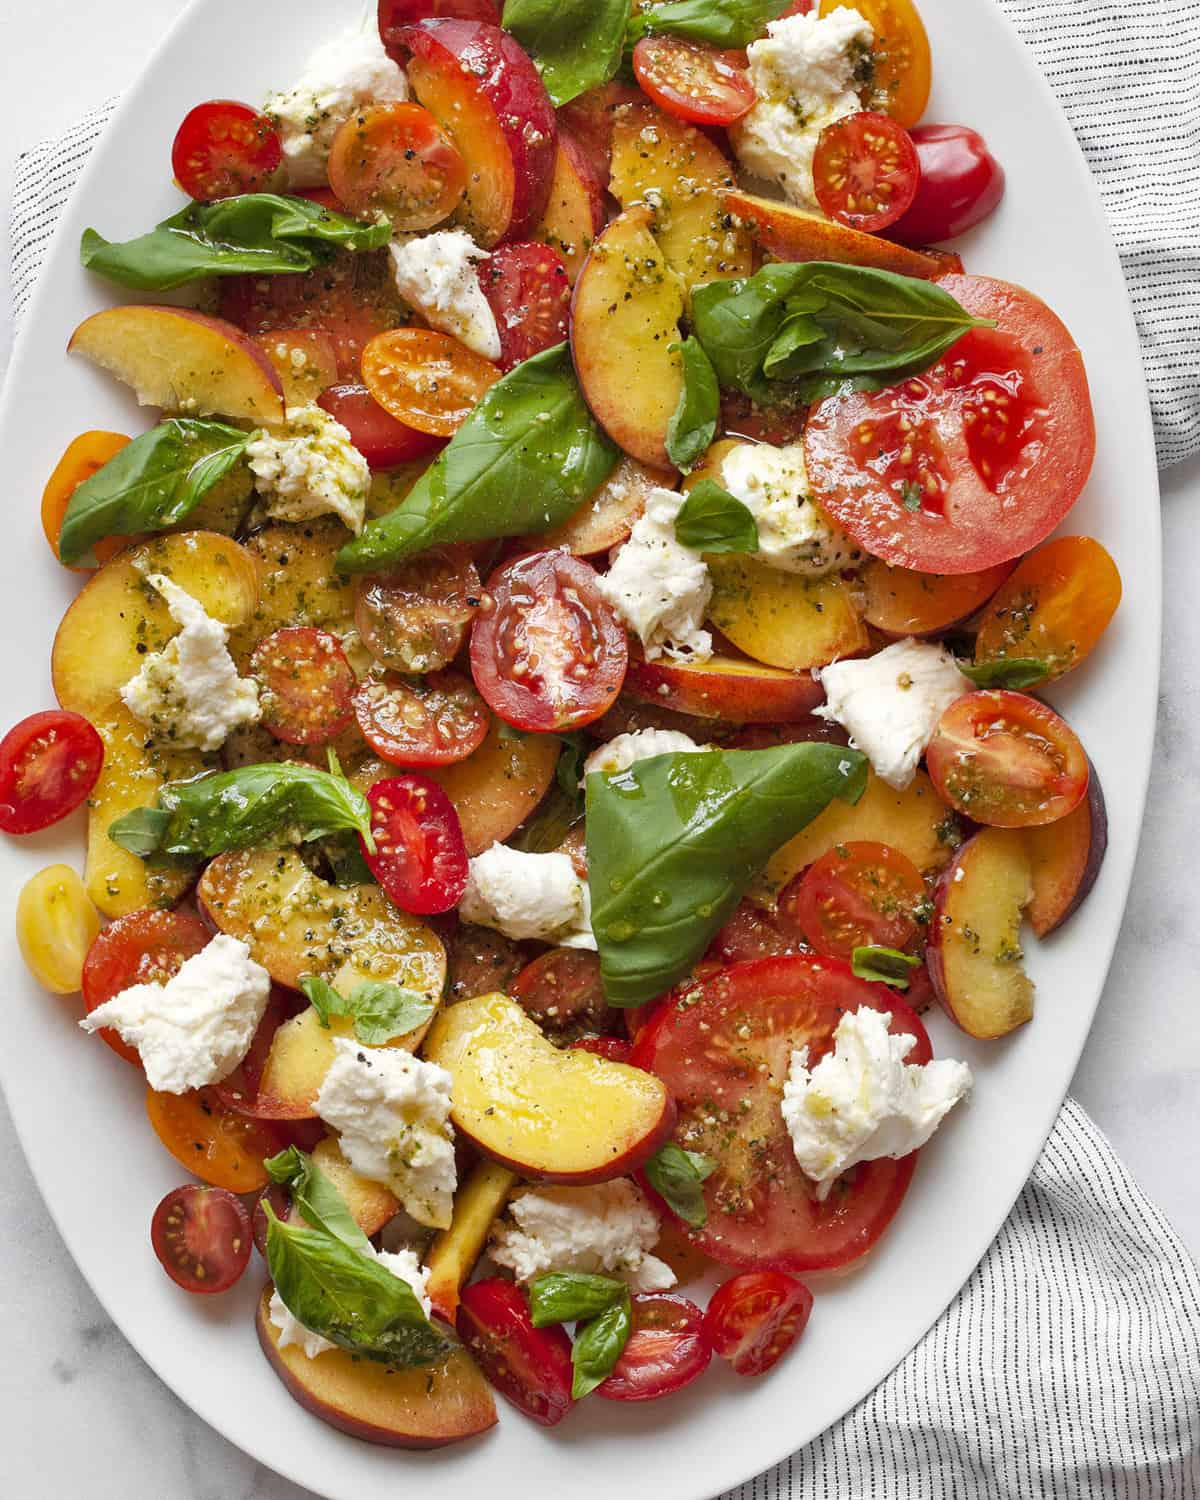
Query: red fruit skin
[[961, 183], [530, 1366]]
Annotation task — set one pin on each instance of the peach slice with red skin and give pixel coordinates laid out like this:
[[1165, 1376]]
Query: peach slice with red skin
[[902, 602], [478, 1203], [738, 692], [784, 619], [790, 233], [1066, 857], [574, 213]]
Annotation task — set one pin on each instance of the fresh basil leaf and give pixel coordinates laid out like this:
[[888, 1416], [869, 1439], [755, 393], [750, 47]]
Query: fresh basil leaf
[[347, 864], [140, 831], [349, 1297], [323, 998], [154, 482], [383, 1011], [678, 1176], [575, 44], [256, 233], [557, 813], [572, 1296], [713, 520], [817, 322], [522, 461], [1007, 671], [568, 771], [693, 423], [674, 841], [320, 1203], [598, 1346], [883, 965], [720, 23]]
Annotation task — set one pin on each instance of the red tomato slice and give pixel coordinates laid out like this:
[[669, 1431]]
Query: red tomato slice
[[961, 183], [723, 1047], [531, 1366], [202, 1237], [1007, 760], [396, 160], [856, 895], [527, 289], [239, 1091], [379, 437], [667, 1349], [306, 685], [224, 148], [428, 721], [415, 617], [752, 932], [692, 81], [551, 653], [865, 171], [394, 15], [426, 380], [420, 858], [614, 1048], [49, 764], [561, 989], [974, 461], [142, 947], [752, 1320], [780, 424]]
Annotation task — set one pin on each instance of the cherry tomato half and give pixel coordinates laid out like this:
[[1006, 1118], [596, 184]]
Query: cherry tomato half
[[531, 1366], [202, 1237], [752, 932], [415, 617], [85, 455], [216, 1144], [667, 1349], [551, 654], [752, 1320], [692, 81], [899, 69], [420, 858], [306, 685], [855, 895], [49, 764], [379, 437], [423, 721], [427, 380], [961, 182], [865, 171], [224, 148], [561, 989], [612, 1048], [528, 291], [1007, 760], [396, 160], [142, 947], [394, 15]]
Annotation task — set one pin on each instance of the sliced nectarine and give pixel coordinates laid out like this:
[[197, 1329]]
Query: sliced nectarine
[[1065, 858], [606, 517], [738, 692], [790, 233], [784, 619], [902, 602], [301, 1052], [478, 1203], [304, 359], [495, 789], [575, 209], [297, 582], [370, 1203], [551, 1115]]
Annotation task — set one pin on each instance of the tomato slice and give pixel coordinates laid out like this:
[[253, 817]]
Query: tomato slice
[[306, 685], [415, 617], [778, 424], [527, 289], [202, 1237], [530, 1366], [479, 960], [379, 437], [223, 148], [420, 857], [972, 462], [752, 1320], [1007, 760], [752, 932], [667, 1349], [551, 653], [900, 65], [865, 171], [49, 764], [239, 1090], [427, 380], [394, 15], [613, 1048], [85, 455], [221, 1147], [961, 183], [692, 81], [855, 895], [723, 1046], [142, 947], [424, 721], [396, 160], [562, 991]]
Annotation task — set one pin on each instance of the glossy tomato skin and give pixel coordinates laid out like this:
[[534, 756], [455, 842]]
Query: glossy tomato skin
[[425, 379], [394, 15], [202, 1238], [415, 617], [382, 440], [306, 685], [752, 1320], [429, 721], [142, 947], [223, 148], [395, 159], [865, 171], [530, 1366], [420, 858], [49, 764], [692, 81], [667, 1349], [527, 289], [960, 184], [723, 1046], [612, 1048]]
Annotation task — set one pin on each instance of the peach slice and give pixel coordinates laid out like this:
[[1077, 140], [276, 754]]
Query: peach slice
[[182, 360], [738, 692], [552, 1116], [1065, 858], [974, 952], [902, 602], [478, 1203], [575, 209], [370, 1203], [590, 119], [625, 316], [784, 619], [607, 517], [304, 359], [790, 233], [301, 1052], [426, 1406], [495, 789], [297, 583]]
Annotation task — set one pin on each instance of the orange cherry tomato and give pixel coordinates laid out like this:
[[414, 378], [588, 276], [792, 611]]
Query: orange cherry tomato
[[1054, 607], [426, 379], [84, 456], [901, 68], [395, 159], [856, 895], [213, 1142], [901, 601]]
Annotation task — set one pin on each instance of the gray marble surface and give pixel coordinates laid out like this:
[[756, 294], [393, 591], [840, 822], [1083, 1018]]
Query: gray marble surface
[[79, 1412]]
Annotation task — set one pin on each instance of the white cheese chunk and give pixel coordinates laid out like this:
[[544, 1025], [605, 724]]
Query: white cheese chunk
[[794, 533], [310, 467], [401, 1263], [862, 1101], [608, 1228], [525, 895], [625, 750], [340, 77], [436, 275], [659, 587], [804, 73], [890, 703], [194, 1029], [393, 1113]]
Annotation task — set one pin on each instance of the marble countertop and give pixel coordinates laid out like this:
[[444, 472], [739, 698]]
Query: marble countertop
[[83, 1415]]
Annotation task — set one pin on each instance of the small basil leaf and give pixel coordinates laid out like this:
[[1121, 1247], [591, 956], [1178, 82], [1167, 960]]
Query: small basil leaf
[[141, 831], [521, 462], [572, 1296], [721, 23], [383, 1011], [347, 864], [557, 814], [575, 44], [713, 520], [322, 996], [320, 1203], [599, 1346], [255, 233], [693, 423], [883, 965], [568, 771], [678, 1177], [1007, 671]]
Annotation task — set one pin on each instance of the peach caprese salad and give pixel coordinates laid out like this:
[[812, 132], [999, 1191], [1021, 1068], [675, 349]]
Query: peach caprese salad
[[556, 692]]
